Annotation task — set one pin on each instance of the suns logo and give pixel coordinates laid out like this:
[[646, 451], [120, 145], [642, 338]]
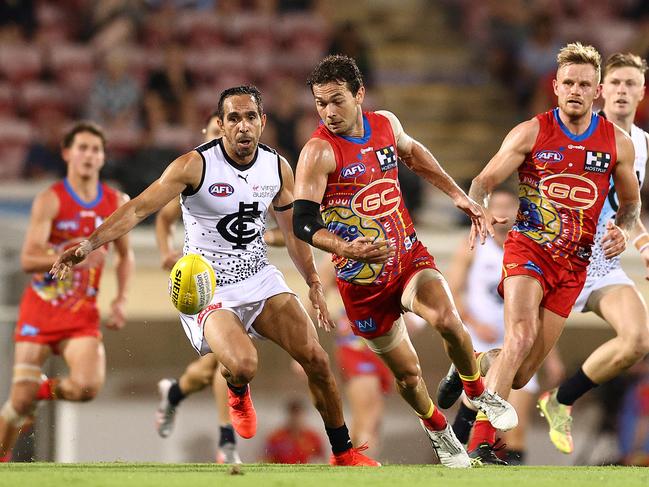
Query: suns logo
[[377, 199], [569, 191]]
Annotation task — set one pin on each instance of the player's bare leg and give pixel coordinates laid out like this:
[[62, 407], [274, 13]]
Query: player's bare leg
[[624, 309], [234, 350], [366, 402], [285, 322], [86, 360], [28, 361], [428, 295]]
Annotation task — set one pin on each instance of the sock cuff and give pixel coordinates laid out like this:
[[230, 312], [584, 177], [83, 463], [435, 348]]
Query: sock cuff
[[470, 378], [481, 416], [430, 412]]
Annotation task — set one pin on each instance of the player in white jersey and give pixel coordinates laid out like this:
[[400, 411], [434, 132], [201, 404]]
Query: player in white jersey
[[608, 291], [203, 371], [473, 278], [228, 184]]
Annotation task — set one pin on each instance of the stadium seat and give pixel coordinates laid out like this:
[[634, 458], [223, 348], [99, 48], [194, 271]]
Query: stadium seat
[[20, 63]]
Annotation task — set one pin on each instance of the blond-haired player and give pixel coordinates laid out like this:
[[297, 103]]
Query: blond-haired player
[[608, 291]]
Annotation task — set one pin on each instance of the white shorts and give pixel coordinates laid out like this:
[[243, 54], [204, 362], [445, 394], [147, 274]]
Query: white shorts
[[615, 277], [246, 299]]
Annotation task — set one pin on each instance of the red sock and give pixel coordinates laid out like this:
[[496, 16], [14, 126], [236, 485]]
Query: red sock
[[6, 458], [473, 385], [434, 420], [483, 432], [47, 390]]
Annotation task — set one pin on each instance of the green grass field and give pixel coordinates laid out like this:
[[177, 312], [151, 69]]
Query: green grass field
[[262, 475]]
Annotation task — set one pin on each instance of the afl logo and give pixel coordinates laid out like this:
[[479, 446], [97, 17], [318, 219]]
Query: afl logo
[[569, 190], [353, 170], [377, 199], [549, 156], [221, 189]]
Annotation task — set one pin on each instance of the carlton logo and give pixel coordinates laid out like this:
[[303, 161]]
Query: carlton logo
[[569, 190], [377, 199], [353, 170], [221, 189], [549, 156]]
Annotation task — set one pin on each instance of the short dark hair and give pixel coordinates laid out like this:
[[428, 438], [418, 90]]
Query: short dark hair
[[81, 127], [240, 90], [337, 68]]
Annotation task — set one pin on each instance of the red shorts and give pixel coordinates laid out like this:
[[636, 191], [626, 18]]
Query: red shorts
[[561, 286], [372, 310], [354, 362], [41, 322]]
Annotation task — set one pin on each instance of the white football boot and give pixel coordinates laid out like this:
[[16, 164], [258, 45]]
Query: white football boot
[[448, 448], [499, 412], [166, 412]]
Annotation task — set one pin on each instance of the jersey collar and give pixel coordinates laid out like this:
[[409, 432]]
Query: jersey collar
[[235, 164], [367, 133], [88, 205], [594, 121]]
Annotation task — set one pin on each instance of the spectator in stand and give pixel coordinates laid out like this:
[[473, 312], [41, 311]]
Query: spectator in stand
[[285, 117], [43, 159], [633, 421], [168, 98], [294, 442], [114, 99]]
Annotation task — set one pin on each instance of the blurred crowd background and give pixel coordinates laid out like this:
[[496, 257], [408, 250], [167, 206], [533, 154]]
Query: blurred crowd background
[[458, 73]]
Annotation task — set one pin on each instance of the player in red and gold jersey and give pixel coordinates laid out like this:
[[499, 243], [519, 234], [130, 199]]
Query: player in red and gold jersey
[[348, 169], [565, 159], [61, 317]]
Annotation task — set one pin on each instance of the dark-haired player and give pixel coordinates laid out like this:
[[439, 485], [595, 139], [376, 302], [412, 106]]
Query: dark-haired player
[[349, 168], [61, 316]]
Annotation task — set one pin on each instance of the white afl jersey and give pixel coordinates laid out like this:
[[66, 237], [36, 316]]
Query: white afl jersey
[[225, 216], [481, 298], [599, 265]]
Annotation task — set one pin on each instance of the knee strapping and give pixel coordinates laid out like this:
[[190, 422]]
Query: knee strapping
[[27, 373], [11, 416]]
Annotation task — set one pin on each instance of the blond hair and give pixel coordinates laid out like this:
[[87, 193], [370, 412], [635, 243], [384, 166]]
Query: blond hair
[[624, 60], [577, 53]]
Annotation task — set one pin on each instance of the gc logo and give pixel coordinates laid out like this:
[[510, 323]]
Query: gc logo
[[569, 190], [377, 199]]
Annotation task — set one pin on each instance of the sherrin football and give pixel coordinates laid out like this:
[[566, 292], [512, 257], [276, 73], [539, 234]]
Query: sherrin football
[[191, 284]]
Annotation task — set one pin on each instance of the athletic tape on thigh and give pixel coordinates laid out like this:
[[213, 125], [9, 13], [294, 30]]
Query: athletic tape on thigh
[[391, 340], [410, 291], [27, 373], [9, 414]]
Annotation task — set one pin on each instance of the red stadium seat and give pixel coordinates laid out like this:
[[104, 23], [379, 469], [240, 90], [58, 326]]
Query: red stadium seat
[[20, 62], [74, 66]]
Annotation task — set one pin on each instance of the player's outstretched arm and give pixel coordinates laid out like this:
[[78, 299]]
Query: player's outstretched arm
[[124, 269], [316, 162], [186, 171], [165, 221], [423, 163], [299, 251], [628, 194]]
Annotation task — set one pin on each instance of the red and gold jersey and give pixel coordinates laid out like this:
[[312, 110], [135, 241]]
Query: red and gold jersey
[[363, 199], [563, 184], [75, 221]]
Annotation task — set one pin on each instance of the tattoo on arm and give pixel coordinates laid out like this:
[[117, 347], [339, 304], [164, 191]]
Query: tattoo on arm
[[627, 216]]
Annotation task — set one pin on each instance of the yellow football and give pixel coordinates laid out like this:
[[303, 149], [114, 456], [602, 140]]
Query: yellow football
[[191, 284]]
